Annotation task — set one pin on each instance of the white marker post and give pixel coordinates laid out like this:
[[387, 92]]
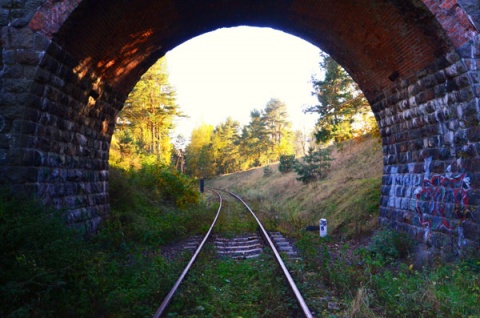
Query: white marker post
[[323, 227]]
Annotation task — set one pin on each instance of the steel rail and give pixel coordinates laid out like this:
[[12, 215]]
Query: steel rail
[[169, 297], [293, 286]]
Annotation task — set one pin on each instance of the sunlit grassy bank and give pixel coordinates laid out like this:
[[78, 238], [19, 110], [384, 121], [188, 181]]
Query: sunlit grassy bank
[[348, 197]]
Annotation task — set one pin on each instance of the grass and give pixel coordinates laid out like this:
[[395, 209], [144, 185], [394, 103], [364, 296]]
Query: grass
[[234, 219], [224, 287], [348, 197]]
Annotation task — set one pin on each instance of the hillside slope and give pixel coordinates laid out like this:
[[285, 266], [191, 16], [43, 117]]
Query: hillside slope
[[348, 197]]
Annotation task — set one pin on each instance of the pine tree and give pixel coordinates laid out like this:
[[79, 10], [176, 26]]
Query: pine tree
[[275, 118], [255, 141], [340, 101], [314, 165], [225, 147], [150, 110]]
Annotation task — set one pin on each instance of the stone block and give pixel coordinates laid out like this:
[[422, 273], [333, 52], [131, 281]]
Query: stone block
[[460, 137], [20, 18], [462, 81], [12, 71], [28, 57], [471, 231], [15, 38], [16, 85], [41, 43], [470, 112]]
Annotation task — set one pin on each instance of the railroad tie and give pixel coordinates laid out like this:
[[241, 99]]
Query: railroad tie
[[284, 246], [246, 246], [192, 243]]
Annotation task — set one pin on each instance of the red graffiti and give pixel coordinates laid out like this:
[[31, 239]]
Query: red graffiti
[[445, 197]]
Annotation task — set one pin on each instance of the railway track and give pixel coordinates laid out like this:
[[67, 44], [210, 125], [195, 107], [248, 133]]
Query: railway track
[[246, 246]]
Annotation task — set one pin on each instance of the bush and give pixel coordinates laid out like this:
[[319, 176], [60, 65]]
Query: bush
[[118, 184], [168, 185], [314, 165], [48, 269], [388, 245], [267, 171], [40, 260], [286, 163]]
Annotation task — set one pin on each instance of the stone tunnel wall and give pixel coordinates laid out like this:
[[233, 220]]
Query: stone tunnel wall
[[431, 145], [56, 121]]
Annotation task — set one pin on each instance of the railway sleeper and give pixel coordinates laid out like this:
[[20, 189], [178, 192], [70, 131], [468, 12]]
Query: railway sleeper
[[192, 243], [239, 247], [284, 246]]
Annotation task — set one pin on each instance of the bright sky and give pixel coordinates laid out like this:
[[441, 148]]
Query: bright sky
[[231, 71]]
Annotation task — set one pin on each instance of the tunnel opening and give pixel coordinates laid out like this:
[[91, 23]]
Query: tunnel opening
[[416, 61]]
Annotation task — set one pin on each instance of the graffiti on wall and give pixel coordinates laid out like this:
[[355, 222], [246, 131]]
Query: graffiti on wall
[[438, 201], [441, 199]]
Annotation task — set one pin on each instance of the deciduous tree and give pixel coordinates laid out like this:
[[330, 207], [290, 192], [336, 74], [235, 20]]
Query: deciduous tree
[[198, 155]]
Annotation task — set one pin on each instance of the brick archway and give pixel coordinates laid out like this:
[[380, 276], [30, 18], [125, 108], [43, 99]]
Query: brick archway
[[68, 65]]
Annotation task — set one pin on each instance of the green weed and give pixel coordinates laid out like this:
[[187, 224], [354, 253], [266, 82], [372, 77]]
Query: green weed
[[48, 269], [233, 288]]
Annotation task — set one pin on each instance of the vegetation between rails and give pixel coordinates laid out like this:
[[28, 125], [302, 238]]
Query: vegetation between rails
[[225, 287]]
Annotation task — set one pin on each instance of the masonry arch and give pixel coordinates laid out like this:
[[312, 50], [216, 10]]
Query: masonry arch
[[68, 65]]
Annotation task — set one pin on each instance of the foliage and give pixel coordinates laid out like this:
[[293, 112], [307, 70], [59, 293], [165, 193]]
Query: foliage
[[343, 109], [348, 196], [388, 245], [225, 150], [255, 142], [198, 152], [302, 142], [229, 147], [314, 165], [447, 290], [144, 123], [275, 120], [40, 260], [287, 163], [168, 185], [50, 270], [396, 290], [267, 171]]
